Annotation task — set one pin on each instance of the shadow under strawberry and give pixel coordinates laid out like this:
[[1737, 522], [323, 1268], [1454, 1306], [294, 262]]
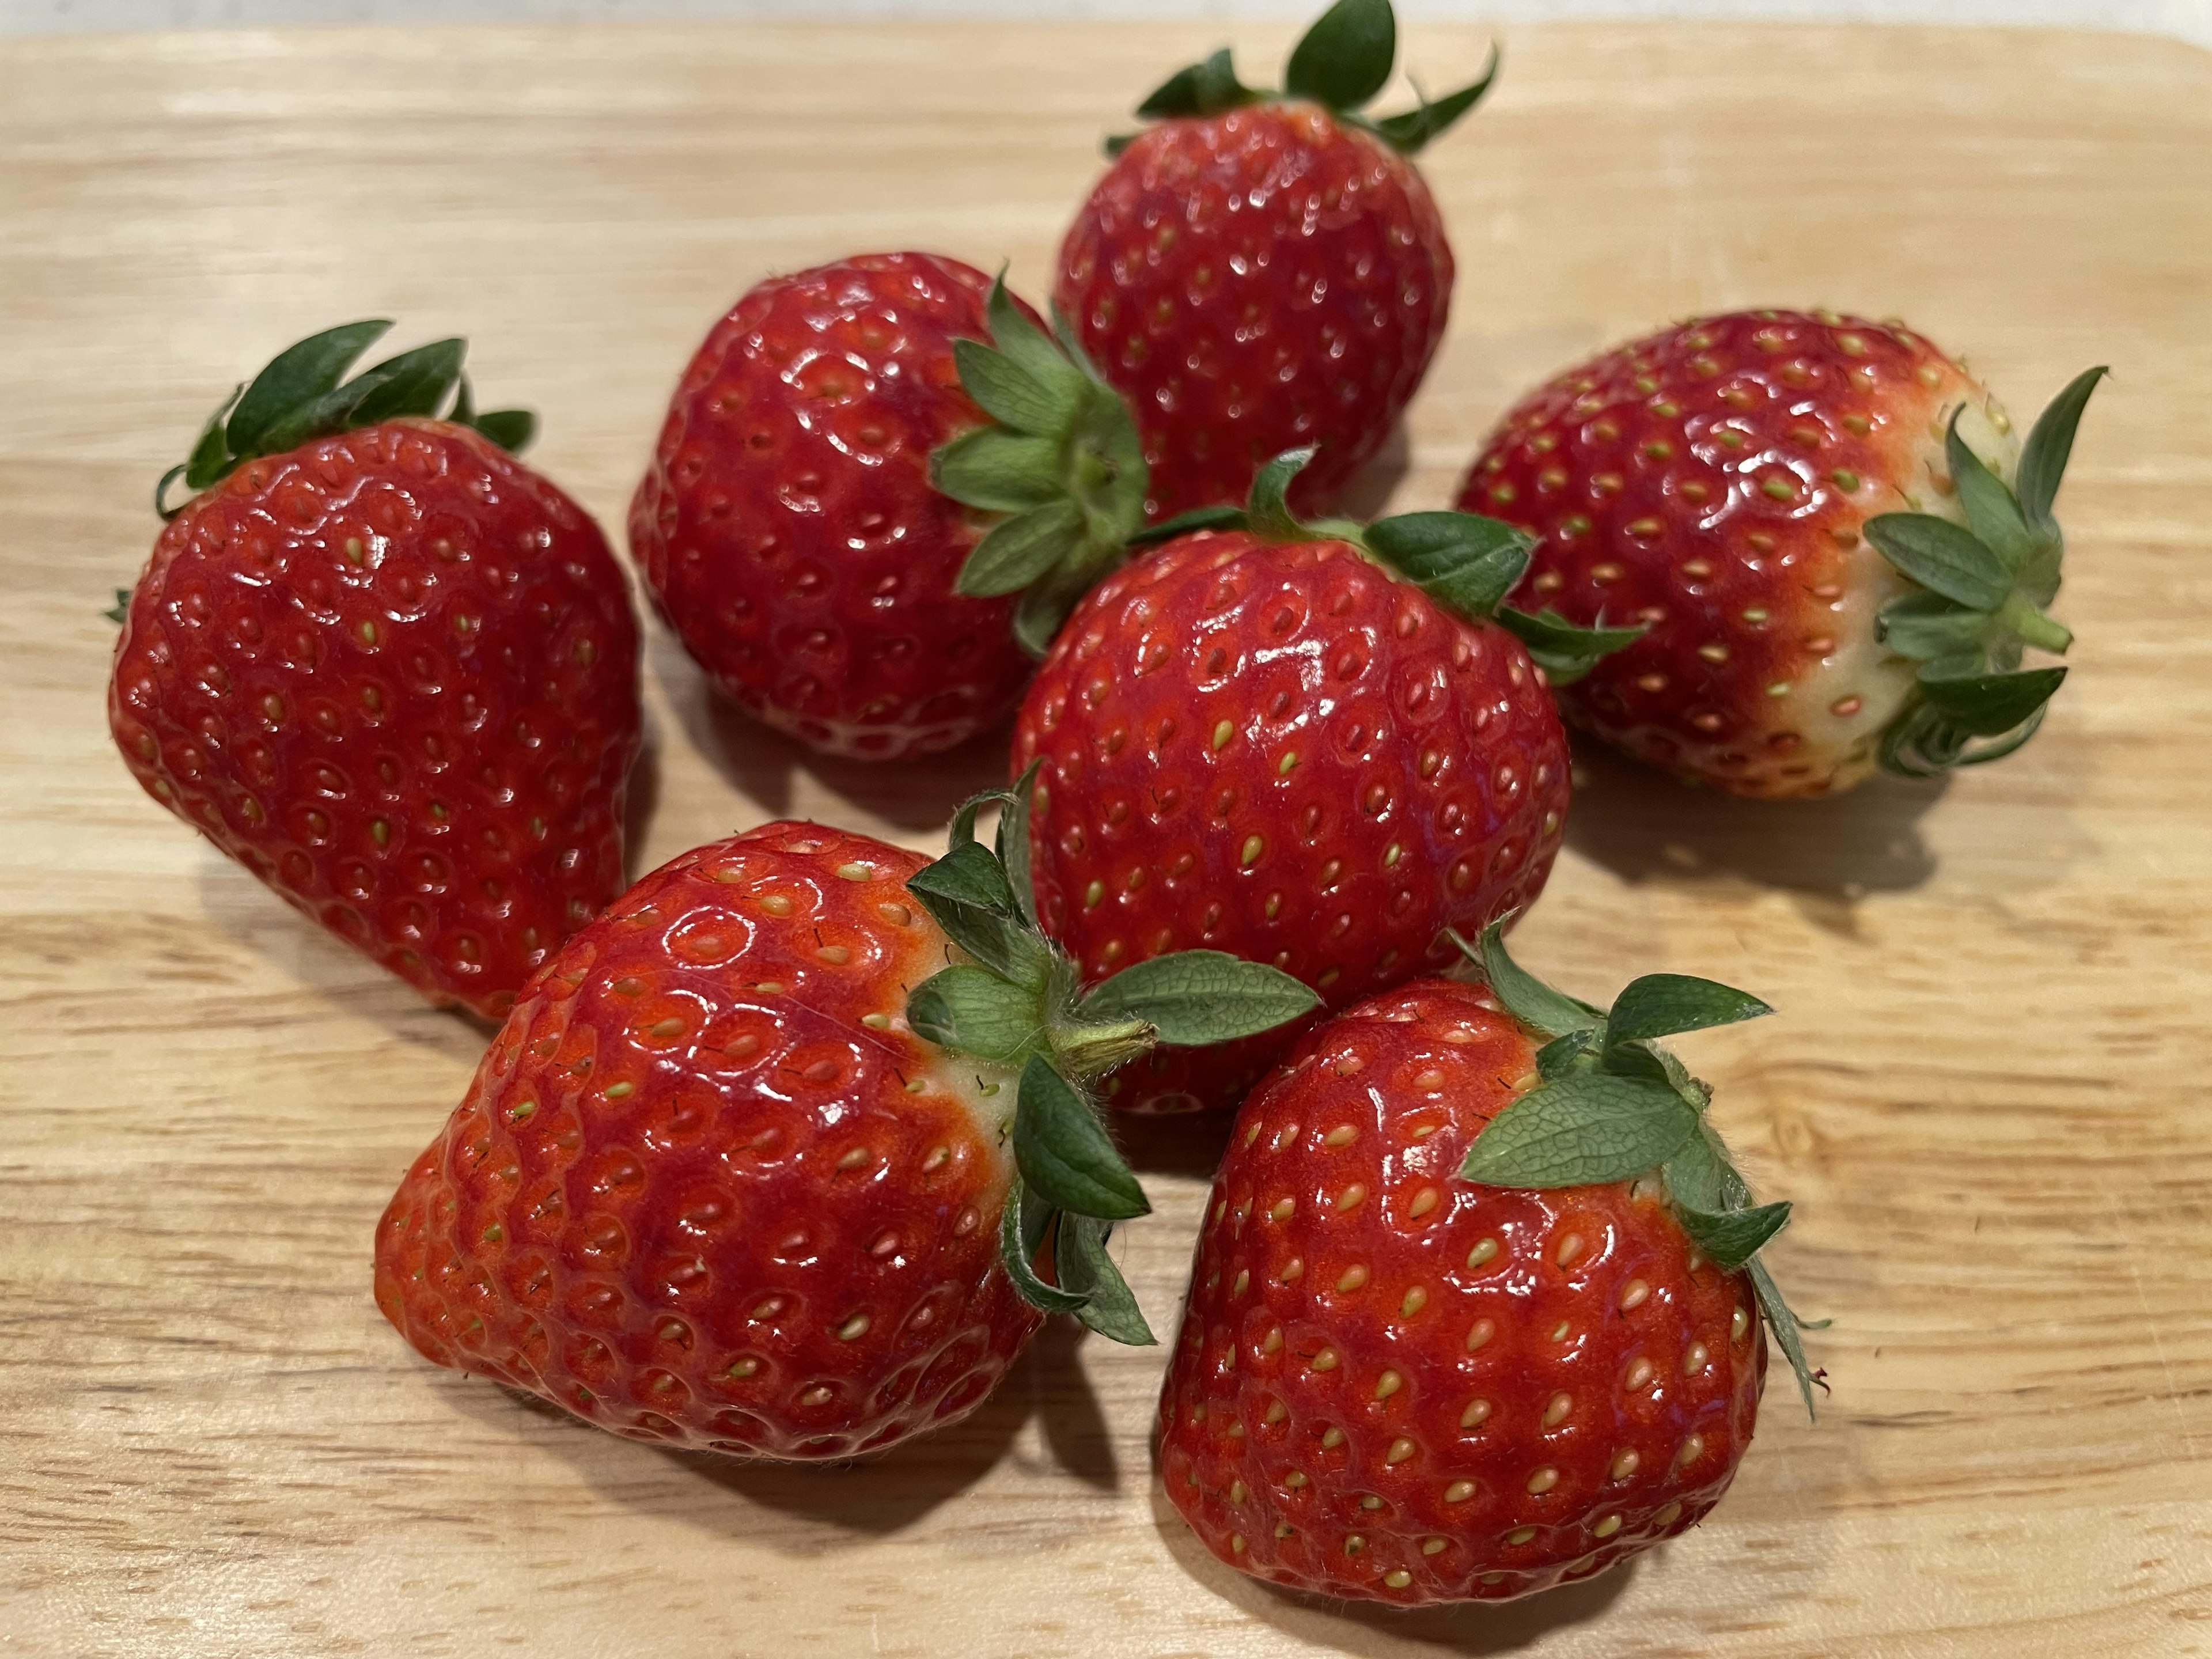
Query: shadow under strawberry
[[1829, 855], [766, 765], [1466, 1628]]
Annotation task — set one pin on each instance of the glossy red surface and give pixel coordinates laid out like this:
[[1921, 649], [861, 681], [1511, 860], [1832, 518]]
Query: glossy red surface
[[394, 674], [692, 1196], [1394, 1384], [788, 530], [1710, 481], [1284, 752], [1255, 282]]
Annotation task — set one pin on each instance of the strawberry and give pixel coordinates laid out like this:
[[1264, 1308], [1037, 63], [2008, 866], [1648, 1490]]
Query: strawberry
[[1476, 1308], [1263, 271], [751, 1168], [792, 532], [387, 668], [1317, 746], [1836, 547]]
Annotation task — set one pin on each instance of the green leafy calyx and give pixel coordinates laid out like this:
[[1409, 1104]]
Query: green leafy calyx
[[1610, 1104], [1061, 462], [1341, 63], [303, 395], [1466, 562], [1983, 590], [1019, 1003]]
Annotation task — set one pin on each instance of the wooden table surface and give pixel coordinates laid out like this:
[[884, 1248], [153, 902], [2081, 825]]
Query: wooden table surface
[[1985, 1088]]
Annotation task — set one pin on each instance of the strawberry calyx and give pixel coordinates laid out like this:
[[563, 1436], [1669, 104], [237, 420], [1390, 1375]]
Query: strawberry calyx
[[1984, 587], [1018, 1002], [1061, 459], [303, 394], [1340, 63], [1464, 561], [1610, 1104]]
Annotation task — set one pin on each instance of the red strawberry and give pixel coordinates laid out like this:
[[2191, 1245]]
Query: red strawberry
[[1265, 270], [1262, 741], [387, 668], [717, 1183], [791, 530], [1473, 1312], [1835, 544]]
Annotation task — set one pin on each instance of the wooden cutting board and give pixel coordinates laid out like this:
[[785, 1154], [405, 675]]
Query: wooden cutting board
[[1986, 1087]]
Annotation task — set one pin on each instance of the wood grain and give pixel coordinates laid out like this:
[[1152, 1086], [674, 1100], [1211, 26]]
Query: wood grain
[[1986, 1088]]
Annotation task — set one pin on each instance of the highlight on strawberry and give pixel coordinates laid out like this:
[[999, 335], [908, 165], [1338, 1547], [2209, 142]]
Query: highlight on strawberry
[[1839, 550], [387, 668], [788, 1153], [1313, 744], [1478, 1307], [1261, 269]]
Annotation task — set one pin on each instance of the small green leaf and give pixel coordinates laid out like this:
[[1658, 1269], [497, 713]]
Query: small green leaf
[[1662, 1005], [967, 875], [1942, 556], [1580, 1129], [1268, 514], [1526, 998], [1732, 1237], [1196, 997], [1039, 612], [122, 610], [416, 382], [1990, 507], [1410, 132], [1019, 550], [973, 1011], [161, 508], [298, 375], [1026, 347], [1924, 626], [1206, 88], [464, 412], [1564, 651], [1466, 562], [1700, 1177], [210, 458], [1065, 1152], [1109, 1308], [1646, 1059], [1021, 1231], [1991, 705], [996, 470], [1040, 404], [1345, 59], [2050, 446], [1784, 1326], [1184, 524], [1014, 842], [1560, 1055], [512, 429]]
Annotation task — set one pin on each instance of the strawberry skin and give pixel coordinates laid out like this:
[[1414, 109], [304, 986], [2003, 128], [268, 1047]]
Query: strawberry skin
[[1711, 481], [1281, 751], [393, 672], [1394, 1384], [787, 528], [707, 1188], [1255, 281]]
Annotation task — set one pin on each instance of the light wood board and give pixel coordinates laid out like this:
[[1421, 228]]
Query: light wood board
[[1986, 1088]]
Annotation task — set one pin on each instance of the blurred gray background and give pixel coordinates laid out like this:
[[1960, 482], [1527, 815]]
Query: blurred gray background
[[2189, 20]]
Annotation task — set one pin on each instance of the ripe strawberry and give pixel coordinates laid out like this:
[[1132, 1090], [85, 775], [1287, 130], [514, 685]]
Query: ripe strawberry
[[790, 529], [1260, 740], [1263, 271], [1734, 485], [739, 1171], [387, 668], [1474, 1308]]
